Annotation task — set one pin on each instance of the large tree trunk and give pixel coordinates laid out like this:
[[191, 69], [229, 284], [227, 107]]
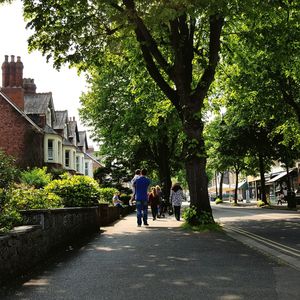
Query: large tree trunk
[[197, 182], [195, 164]]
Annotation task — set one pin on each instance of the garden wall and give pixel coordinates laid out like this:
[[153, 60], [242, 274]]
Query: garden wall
[[22, 248]]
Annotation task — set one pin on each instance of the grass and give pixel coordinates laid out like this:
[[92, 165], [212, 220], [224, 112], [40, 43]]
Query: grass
[[202, 228]]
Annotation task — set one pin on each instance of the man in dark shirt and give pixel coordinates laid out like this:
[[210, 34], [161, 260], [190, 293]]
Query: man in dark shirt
[[141, 186]]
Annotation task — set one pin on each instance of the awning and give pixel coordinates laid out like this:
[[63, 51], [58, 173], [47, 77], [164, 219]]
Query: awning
[[280, 175], [242, 185]]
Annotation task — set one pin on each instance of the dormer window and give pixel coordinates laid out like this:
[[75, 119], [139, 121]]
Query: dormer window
[[48, 117]]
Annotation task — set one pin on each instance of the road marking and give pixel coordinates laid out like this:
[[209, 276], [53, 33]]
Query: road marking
[[274, 244], [285, 253]]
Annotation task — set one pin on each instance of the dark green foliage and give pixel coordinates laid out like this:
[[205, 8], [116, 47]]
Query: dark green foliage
[[8, 171], [56, 173], [76, 190]]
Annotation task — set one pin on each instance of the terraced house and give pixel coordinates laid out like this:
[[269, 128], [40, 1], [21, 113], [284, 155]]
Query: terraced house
[[33, 132]]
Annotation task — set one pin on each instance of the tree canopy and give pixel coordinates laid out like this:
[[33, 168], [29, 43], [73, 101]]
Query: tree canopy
[[180, 43]]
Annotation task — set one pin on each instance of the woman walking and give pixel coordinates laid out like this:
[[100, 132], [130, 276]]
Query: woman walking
[[176, 198], [154, 201]]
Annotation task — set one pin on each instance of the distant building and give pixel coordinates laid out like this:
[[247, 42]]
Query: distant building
[[33, 132]]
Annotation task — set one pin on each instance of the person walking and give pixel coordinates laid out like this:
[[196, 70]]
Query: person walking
[[141, 185], [162, 205], [176, 198], [154, 202], [136, 176]]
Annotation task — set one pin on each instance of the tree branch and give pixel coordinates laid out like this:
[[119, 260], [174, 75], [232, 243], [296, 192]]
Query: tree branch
[[147, 37], [216, 24]]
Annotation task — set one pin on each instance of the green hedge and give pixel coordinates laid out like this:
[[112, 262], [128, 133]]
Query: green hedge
[[106, 194], [76, 190], [30, 198]]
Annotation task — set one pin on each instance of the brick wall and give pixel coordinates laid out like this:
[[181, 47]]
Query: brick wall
[[18, 138]]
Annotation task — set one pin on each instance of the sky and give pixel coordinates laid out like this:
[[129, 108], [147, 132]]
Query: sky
[[66, 85]]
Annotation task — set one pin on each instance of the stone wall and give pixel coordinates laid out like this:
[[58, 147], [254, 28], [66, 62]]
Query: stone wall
[[25, 246], [45, 231], [109, 214]]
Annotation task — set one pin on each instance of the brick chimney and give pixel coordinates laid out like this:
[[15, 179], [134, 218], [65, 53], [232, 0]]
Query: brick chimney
[[12, 80], [5, 72], [29, 86]]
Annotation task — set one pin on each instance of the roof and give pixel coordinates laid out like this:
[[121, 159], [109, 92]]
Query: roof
[[82, 139], [21, 113], [67, 143], [277, 177], [86, 155], [49, 129], [37, 103], [61, 119]]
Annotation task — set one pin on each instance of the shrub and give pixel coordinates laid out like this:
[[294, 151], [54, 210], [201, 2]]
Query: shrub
[[106, 194], [57, 173], [9, 217], [37, 177], [76, 190], [218, 200], [8, 171], [191, 217], [24, 199], [261, 203]]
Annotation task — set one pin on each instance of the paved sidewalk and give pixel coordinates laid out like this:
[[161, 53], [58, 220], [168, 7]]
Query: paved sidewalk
[[161, 261]]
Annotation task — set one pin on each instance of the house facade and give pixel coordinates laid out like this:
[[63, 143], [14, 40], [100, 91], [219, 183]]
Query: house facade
[[33, 132]]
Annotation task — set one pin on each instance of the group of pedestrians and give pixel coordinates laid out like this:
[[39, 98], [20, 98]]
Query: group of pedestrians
[[140, 186]]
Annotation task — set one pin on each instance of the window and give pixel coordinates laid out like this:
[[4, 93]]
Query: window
[[50, 150], [67, 158], [86, 168], [77, 164], [59, 151]]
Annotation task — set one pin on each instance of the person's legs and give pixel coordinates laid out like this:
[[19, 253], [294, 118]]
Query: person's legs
[[145, 212], [177, 212], [153, 212], [139, 212]]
